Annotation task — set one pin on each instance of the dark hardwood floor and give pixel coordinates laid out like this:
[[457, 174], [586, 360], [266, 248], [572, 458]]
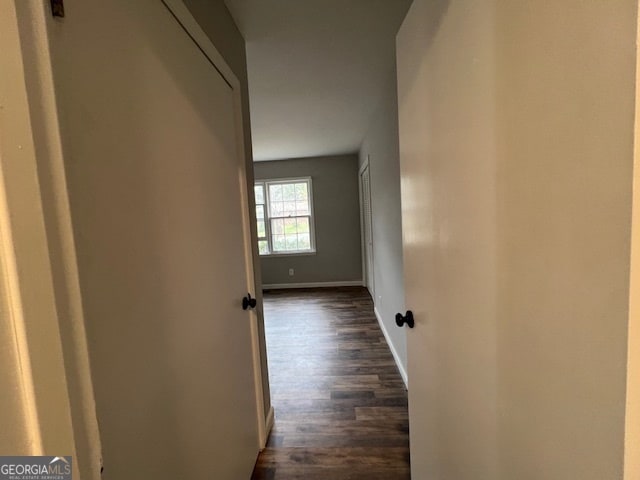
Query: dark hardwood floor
[[340, 403]]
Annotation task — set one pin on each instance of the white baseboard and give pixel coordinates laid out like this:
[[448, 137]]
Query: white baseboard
[[268, 427], [270, 420], [280, 286], [396, 357]]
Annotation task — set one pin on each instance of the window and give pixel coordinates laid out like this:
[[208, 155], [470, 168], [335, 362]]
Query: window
[[285, 216]]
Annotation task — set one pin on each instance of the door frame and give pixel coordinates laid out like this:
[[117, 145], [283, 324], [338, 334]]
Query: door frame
[[365, 265], [632, 412], [39, 281], [192, 28]]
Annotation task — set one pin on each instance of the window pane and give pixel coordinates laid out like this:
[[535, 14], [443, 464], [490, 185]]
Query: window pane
[[259, 191], [277, 209], [301, 192], [262, 231], [279, 244], [275, 193], [303, 225], [302, 208], [277, 226], [304, 241], [289, 192], [290, 226], [292, 242], [289, 209]]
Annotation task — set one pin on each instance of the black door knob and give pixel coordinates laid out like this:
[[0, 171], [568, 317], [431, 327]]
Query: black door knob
[[248, 302], [407, 318]]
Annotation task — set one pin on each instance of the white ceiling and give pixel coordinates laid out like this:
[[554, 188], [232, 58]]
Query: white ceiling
[[317, 71]]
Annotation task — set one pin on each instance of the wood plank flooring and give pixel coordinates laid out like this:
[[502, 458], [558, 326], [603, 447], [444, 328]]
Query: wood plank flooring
[[340, 403]]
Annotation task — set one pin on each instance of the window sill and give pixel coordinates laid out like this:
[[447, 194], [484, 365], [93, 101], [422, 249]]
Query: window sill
[[289, 254]]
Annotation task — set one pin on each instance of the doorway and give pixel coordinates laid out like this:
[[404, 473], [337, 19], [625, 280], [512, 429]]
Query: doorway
[[367, 228]]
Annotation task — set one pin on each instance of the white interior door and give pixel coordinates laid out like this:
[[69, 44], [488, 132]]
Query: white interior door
[[510, 262], [156, 182], [448, 205], [365, 188]]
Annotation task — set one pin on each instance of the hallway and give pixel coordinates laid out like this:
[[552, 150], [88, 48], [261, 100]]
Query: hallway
[[340, 403]]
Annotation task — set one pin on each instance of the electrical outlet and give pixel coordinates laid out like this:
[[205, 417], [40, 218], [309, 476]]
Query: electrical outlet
[[291, 272]]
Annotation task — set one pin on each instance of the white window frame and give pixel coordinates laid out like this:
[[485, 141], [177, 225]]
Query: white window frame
[[267, 218]]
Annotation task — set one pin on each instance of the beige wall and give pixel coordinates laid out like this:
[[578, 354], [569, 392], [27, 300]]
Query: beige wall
[[527, 111], [15, 436], [336, 216], [18, 435], [37, 19], [566, 97], [380, 146]]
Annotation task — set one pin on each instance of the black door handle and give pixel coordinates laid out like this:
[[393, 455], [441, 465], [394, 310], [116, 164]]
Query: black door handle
[[407, 318], [248, 302]]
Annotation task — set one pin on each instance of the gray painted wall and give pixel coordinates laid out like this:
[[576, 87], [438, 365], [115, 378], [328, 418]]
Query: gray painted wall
[[381, 145], [337, 221], [216, 21]]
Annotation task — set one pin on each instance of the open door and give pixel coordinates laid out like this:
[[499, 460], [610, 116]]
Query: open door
[[516, 152], [448, 235], [151, 134]]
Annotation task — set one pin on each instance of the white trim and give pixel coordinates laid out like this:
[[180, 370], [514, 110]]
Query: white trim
[[365, 167], [283, 179], [396, 357], [265, 182], [191, 26], [281, 286], [201, 39], [269, 424], [632, 411], [290, 254]]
